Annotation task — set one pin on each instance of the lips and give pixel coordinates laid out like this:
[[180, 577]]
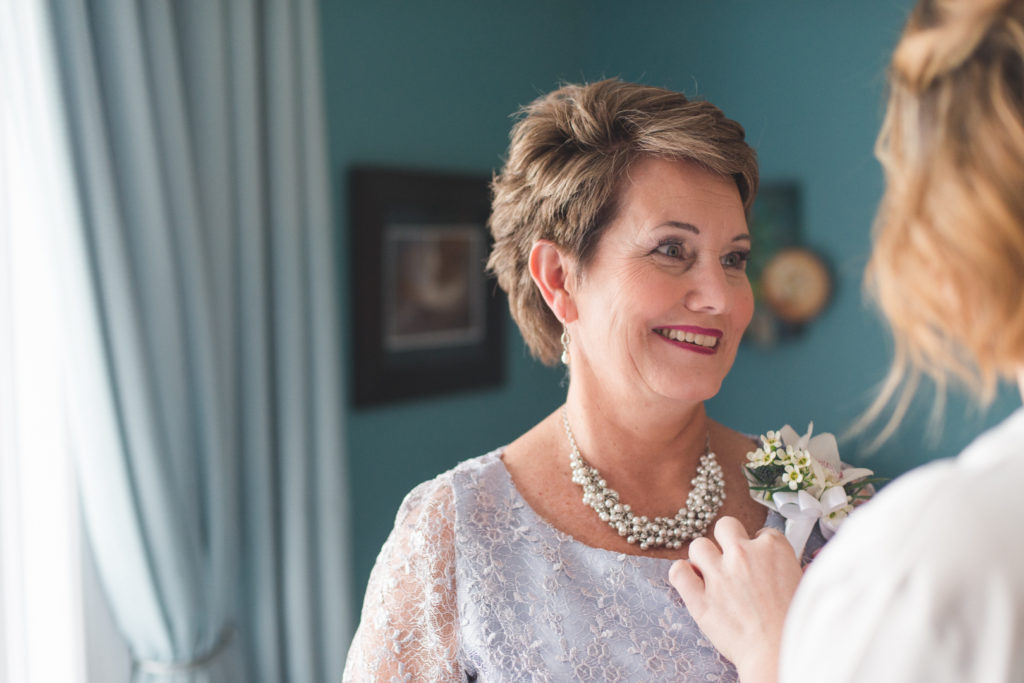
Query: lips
[[702, 338]]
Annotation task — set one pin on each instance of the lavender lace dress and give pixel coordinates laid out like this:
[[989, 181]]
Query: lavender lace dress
[[472, 585]]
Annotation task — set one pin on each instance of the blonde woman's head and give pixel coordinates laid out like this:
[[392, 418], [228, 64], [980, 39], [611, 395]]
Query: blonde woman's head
[[569, 153], [948, 261]]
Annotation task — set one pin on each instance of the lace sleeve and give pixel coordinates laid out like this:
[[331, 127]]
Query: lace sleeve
[[407, 630]]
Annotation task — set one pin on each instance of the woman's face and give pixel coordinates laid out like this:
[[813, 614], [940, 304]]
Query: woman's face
[[665, 300]]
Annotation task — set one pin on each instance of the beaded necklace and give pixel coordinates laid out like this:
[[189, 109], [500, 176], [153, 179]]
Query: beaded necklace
[[692, 520]]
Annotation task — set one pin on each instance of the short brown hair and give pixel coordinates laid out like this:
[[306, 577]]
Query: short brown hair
[[568, 155], [948, 262]]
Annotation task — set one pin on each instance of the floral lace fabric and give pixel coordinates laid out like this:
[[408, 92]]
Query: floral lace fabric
[[473, 585]]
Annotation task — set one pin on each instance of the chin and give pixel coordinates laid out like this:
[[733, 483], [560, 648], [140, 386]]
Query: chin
[[691, 392], [683, 384]]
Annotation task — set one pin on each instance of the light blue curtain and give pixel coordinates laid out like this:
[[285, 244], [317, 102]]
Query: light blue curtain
[[207, 366]]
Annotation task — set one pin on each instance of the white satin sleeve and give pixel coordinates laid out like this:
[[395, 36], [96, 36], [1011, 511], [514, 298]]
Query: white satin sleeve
[[408, 627], [924, 584]]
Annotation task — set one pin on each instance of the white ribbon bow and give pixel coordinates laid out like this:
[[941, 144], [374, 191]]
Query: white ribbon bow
[[802, 511]]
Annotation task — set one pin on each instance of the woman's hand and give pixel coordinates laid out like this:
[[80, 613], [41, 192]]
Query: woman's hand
[[738, 592]]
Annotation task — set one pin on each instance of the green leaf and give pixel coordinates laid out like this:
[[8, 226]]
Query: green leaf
[[853, 488], [766, 474]]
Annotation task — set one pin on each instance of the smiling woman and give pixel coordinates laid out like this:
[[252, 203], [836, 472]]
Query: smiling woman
[[621, 239], [669, 268]]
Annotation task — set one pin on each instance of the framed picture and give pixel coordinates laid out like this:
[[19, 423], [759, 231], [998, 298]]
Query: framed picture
[[425, 317]]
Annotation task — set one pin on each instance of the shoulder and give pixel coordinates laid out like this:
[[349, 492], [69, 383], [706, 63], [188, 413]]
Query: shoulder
[[429, 510], [420, 550], [438, 494], [924, 578]]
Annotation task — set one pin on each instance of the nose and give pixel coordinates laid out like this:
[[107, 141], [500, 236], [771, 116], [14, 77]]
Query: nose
[[707, 289]]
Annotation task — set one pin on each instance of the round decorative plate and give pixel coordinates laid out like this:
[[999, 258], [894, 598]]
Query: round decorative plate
[[796, 284]]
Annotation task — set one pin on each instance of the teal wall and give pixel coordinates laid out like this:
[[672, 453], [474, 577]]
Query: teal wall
[[432, 85]]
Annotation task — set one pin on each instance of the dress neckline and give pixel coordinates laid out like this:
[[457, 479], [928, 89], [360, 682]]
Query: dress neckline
[[548, 527]]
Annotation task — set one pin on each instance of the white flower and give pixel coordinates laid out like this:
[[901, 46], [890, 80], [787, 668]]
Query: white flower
[[802, 479], [853, 474], [761, 458], [793, 476], [830, 523], [802, 459], [823, 476], [837, 516], [824, 456]]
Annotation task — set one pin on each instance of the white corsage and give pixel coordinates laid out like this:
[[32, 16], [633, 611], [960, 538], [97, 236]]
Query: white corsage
[[803, 480]]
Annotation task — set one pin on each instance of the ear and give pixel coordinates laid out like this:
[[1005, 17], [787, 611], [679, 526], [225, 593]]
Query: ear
[[551, 271]]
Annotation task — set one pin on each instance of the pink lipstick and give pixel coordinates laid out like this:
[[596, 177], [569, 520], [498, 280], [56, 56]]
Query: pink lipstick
[[692, 338]]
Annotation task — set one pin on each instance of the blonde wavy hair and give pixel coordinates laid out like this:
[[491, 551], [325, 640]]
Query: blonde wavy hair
[[568, 155], [948, 263]]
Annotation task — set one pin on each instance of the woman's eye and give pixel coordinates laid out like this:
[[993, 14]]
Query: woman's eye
[[736, 259], [671, 249]]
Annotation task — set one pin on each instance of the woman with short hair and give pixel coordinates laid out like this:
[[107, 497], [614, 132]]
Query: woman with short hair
[[620, 236]]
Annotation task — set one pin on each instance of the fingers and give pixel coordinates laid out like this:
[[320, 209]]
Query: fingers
[[704, 553], [729, 530], [773, 538], [683, 576], [687, 581], [688, 575]]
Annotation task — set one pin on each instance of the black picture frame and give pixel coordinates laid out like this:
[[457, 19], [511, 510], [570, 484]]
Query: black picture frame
[[426, 319]]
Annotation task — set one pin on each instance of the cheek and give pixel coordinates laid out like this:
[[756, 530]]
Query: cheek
[[743, 311]]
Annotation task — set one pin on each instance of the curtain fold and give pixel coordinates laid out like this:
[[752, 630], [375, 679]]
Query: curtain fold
[[207, 373]]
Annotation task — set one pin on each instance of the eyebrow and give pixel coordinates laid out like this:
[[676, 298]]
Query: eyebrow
[[689, 227]]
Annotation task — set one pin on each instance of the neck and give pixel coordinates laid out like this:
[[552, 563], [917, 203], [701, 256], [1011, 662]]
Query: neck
[[638, 445], [1020, 381]]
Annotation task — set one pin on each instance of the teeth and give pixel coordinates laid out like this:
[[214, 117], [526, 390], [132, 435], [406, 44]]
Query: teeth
[[705, 340]]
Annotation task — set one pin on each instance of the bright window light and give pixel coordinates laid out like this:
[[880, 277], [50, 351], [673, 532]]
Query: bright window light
[[41, 621]]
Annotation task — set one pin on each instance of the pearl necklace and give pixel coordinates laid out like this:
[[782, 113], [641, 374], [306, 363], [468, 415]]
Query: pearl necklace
[[692, 520]]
